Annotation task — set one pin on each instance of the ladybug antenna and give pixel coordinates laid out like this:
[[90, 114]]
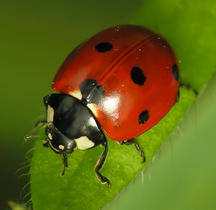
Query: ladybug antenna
[[34, 136], [46, 144]]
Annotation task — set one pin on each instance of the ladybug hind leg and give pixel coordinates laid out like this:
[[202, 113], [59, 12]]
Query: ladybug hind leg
[[134, 142], [188, 87]]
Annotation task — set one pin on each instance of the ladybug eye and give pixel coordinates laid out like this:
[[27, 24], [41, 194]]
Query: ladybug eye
[[103, 47], [175, 72], [138, 76]]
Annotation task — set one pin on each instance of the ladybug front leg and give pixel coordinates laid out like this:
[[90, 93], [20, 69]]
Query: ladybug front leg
[[100, 164], [41, 123], [133, 142], [65, 162]]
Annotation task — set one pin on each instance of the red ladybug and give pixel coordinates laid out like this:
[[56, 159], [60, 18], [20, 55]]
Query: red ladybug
[[122, 81]]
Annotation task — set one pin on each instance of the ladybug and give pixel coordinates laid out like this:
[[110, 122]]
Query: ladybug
[[120, 82]]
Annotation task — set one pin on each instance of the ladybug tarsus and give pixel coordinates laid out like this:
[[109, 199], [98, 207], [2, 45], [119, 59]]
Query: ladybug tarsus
[[141, 153]]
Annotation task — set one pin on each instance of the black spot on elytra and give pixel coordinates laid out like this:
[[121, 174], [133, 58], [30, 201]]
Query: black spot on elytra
[[138, 76], [175, 72], [103, 47], [143, 117], [91, 92]]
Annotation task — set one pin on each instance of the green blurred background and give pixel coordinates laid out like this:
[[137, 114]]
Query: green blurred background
[[36, 36]]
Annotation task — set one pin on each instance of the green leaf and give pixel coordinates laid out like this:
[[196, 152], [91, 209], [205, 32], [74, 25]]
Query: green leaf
[[79, 187], [189, 27]]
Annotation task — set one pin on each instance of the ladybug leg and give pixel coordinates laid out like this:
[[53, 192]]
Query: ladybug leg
[[100, 164], [46, 144], [139, 149], [40, 123], [177, 99], [65, 162], [188, 87]]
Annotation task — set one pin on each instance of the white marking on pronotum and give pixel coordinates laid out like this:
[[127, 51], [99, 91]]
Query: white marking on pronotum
[[76, 93], [50, 114], [61, 147], [93, 108], [84, 143]]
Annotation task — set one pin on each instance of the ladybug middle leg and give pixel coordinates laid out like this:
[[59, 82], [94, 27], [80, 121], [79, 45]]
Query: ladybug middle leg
[[40, 123], [134, 142], [188, 87], [100, 164]]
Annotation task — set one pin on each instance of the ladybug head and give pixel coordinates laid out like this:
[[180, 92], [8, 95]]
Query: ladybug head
[[58, 141]]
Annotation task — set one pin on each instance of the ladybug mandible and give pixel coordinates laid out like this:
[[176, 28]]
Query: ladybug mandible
[[122, 81]]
